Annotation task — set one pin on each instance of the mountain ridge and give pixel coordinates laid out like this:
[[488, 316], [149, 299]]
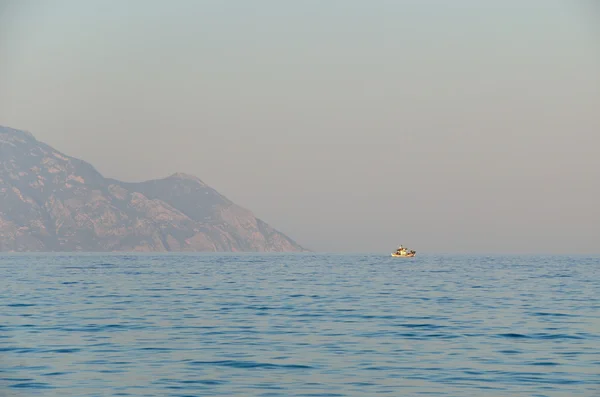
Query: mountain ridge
[[50, 201]]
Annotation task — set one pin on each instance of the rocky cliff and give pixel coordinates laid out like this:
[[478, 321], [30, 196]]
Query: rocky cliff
[[52, 202]]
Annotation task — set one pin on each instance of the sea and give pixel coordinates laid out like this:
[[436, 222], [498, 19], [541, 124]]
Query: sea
[[299, 325]]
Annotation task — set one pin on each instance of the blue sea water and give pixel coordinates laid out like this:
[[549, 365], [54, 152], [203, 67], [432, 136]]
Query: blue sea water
[[299, 325]]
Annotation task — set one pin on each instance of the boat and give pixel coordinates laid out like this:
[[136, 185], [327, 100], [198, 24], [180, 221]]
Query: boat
[[404, 253]]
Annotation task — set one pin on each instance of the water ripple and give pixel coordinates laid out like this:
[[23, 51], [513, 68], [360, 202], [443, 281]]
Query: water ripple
[[299, 325]]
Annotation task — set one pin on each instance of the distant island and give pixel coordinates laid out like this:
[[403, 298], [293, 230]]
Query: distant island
[[51, 202]]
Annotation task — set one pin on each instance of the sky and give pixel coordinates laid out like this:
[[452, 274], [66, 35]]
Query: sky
[[351, 125]]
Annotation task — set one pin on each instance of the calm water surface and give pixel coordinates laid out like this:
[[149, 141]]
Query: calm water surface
[[299, 325]]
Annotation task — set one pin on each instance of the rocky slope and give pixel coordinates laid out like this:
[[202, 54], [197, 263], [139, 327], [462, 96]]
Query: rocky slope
[[52, 202]]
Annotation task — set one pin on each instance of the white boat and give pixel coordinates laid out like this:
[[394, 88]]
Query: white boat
[[404, 253]]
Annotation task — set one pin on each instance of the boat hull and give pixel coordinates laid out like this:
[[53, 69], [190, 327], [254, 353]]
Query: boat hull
[[403, 256]]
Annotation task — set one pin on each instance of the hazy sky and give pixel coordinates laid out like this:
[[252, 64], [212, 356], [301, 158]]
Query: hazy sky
[[448, 126]]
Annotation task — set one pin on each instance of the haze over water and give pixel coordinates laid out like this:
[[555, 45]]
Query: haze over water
[[299, 325], [350, 125]]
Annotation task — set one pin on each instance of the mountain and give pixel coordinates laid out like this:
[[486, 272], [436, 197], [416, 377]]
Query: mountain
[[53, 202]]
